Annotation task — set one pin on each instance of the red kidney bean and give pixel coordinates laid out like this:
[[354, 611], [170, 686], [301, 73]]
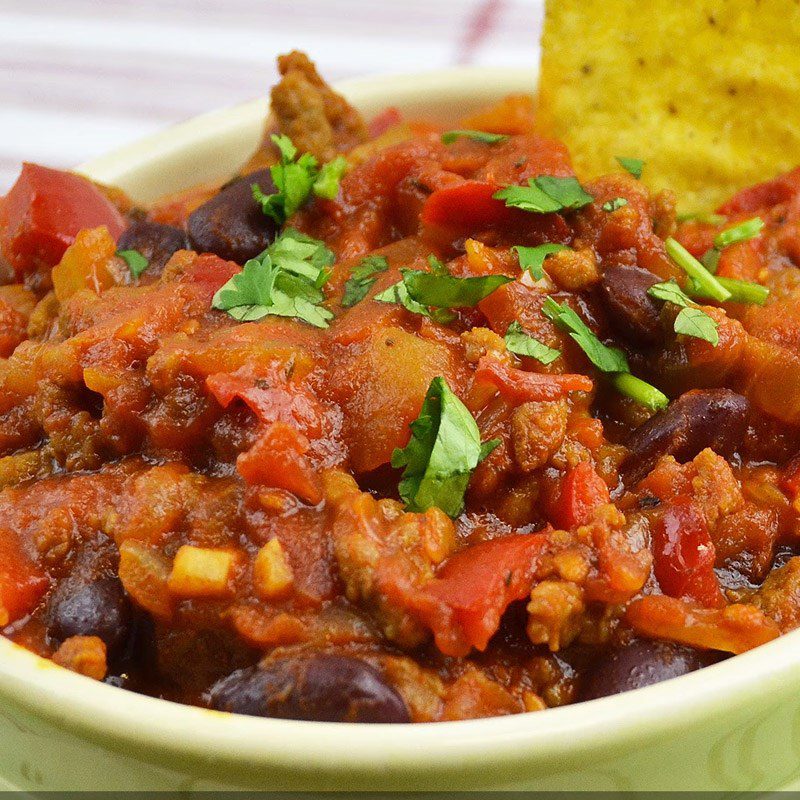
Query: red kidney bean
[[231, 224], [156, 242], [327, 688], [641, 663], [700, 418], [632, 312]]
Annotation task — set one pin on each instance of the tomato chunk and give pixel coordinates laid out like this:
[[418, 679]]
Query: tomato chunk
[[468, 205], [44, 212], [519, 386], [278, 460], [683, 554], [463, 604], [582, 491], [21, 583]]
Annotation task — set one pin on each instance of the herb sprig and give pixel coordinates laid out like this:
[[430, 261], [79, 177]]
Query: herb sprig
[[285, 281], [546, 194], [610, 360], [444, 449], [295, 179]]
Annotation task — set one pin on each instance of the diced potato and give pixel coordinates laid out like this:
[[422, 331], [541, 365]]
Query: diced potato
[[202, 572], [272, 573], [382, 390]]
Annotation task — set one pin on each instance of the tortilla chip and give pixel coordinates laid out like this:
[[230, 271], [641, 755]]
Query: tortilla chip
[[707, 94]]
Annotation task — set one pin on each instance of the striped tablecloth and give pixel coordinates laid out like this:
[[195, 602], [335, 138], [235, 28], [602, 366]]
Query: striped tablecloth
[[80, 77]]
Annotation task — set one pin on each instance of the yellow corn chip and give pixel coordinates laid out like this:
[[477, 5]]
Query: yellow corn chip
[[708, 94]]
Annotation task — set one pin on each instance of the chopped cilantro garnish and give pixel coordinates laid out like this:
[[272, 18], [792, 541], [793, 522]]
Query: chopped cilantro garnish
[[295, 179], [695, 322], [420, 291], [298, 253], [607, 359], [327, 183], [613, 205], [691, 321], [283, 281], [705, 280], [444, 449], [739, 233], [477, 136], [532, 258], [362, 277], [522, 344], [447, 291], [632, 165], [136, 262], [546, 194]]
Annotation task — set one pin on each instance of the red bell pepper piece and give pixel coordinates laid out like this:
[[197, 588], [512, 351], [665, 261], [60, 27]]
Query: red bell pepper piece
[[278, 459], [22, 584], [683, 554], [582, 491], [469, 205], [463, 604], [763, 195], [519, 386], [44, 212]]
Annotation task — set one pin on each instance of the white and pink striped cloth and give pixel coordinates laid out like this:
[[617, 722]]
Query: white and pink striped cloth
[[81, 77]]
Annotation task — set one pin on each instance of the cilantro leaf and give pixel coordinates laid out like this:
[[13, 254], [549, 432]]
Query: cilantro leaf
[[669, 291], [136, 262], [613, 205], [691, 321], [284, 281], [545, 194], [695, 322], [327, 183], [532, 258], [520, 343], [295, 179], [447, 291], [362, 277], [477, 136], [444, 449], [605, 358], [301, 254], [398, 293], [632, 165]]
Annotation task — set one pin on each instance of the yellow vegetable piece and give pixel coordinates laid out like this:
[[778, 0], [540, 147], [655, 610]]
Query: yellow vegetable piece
[[202, 572], [86, 264], [705, 93], [272, 573]]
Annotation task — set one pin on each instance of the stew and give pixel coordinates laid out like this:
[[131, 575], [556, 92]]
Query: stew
[[402, 423]]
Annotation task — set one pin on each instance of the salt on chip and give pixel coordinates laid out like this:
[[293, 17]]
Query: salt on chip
[[708, 94]]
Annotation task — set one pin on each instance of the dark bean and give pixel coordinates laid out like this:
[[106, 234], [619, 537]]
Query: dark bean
[[326, 688], [633, 313], [231, 224], [715, 418], [156, 242], [641, 663], [97, 607]]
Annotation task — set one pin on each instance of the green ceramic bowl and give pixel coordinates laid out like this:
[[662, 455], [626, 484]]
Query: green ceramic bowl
[[733, 726]]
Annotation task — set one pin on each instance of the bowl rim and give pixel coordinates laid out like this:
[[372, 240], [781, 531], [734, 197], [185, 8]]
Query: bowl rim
[[131, 720]]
